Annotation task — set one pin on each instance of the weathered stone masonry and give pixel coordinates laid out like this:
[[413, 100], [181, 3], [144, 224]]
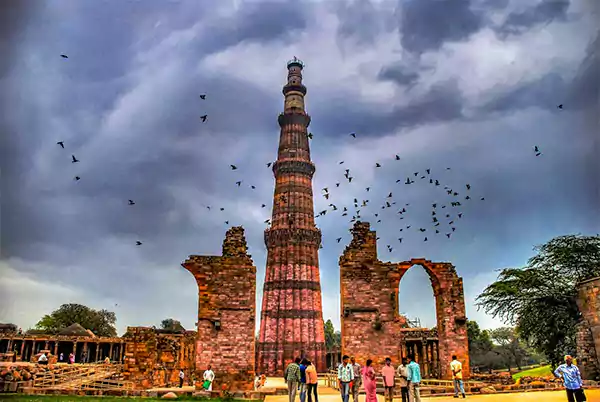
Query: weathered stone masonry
[[226, 313], [371, 325], [291, 318], [588, 331]]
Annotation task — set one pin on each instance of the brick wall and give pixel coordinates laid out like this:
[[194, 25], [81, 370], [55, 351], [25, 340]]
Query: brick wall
[[588, 331], [369, 298], [226, 314], [153, 358]]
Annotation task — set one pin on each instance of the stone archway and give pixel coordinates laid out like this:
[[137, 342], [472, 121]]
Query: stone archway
[[371, 325]]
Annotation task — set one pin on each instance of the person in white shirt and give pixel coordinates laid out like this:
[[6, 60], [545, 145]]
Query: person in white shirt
[[181, 377], [209, 377], [457, 377], [43, 359], [401, 371]]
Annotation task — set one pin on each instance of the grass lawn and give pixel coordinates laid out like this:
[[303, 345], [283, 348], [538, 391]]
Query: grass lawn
[[68, 398], [541, 371]]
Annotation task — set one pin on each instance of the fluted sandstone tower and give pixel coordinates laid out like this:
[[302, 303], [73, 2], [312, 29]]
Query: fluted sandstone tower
[[292, 317]]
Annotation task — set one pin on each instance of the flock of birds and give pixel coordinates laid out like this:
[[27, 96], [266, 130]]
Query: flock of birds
[[442, 220]]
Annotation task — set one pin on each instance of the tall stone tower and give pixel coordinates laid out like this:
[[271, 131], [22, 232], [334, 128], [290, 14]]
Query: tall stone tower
[[292, 315]]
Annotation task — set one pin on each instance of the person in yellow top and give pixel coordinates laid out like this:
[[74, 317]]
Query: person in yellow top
[[457, 376]]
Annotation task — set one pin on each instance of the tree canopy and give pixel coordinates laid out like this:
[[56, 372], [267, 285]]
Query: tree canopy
[[540, 298], [100, 322], [171, 324], [333, 338]]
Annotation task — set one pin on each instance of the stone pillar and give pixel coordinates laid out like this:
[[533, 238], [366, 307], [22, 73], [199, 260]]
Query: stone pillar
[[588, 329], [56, 348], [32, 350], [22, 349], [226, 314], [122, 350], [75, 350], [8, 346], [46, 345], [110, 352], [97, 351]]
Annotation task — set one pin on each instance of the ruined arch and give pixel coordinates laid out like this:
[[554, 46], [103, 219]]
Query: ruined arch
[[371, 324]]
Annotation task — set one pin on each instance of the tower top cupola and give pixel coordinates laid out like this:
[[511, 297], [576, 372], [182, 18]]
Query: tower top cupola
[[295, 62]]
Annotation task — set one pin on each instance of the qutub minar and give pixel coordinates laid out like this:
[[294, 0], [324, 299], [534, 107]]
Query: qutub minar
[[292, 315]]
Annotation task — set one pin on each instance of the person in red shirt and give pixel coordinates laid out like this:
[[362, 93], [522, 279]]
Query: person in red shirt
[[388, 374]]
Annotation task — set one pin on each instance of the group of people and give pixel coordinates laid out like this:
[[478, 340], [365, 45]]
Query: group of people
[[351, 376], [301, 375]]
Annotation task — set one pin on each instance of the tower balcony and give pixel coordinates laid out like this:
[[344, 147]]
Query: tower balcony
[[298, 167], [294, 88], [295, 62], [293, 118]]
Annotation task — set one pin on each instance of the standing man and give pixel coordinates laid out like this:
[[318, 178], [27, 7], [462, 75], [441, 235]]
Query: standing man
[[456, 368], [345, 378], [388, 373], [181, 377], [571, 377], [413, 376], [303, 380], [357, 379], [291, 376], [401, 371]]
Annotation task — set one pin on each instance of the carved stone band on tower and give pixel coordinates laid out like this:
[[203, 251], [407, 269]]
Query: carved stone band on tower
[[292, 316]]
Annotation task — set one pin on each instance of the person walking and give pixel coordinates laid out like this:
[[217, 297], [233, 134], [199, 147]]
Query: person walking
[[369, 381], [303, 380], [388, 373], [181, 377], [401, 372], [312, 381], [291, 375], [345, 378], [357, 379], [571, 377], [413, 376], [456, 368]]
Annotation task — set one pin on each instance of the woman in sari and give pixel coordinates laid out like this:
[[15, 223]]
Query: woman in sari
[[369, 382]]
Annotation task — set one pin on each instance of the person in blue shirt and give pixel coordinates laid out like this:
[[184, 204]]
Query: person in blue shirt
[[571, 377], [413, 376], [303, 365]]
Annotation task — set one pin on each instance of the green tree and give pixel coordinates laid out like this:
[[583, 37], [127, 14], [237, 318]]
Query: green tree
[[540, 298], [480, 346], [172, 324], [510, 346], [100, 322], [330, 338]]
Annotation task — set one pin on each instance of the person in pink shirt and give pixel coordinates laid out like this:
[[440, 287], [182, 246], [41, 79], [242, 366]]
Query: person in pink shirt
[[388, 374]]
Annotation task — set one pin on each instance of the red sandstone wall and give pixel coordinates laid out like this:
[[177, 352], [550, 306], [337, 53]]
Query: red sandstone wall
[[226, 313], [369, 293], [588, 341]]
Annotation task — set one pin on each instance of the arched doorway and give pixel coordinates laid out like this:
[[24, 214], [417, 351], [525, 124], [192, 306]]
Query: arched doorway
[[371, 324]]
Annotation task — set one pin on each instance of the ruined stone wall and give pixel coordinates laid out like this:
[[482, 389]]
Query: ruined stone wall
[[153, 358], [226, 314], [588, 331], [371, 325]]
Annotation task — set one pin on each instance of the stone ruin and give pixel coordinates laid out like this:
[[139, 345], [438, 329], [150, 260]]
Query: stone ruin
[[153, 357], [588, 329], [372, 327], [226, 314]]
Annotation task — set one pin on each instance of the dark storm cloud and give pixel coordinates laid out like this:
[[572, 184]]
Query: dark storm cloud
[[427, 24], [543, 12], [399, 74], [584, 91], [547, 92], [362, 22], [442, 102]]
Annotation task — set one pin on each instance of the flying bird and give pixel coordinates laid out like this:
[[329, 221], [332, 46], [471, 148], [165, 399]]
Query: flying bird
[[397, 157], [138, 243], [377, 165], [537, 151], [64, 56], [74, 159], [269, 164], [353, 135], [339, 239], [62, 144], [468, 186], [560, 106], [310, 136], [239, 183], [263, 205], [202, 96], [77, 178], [203, 117], [233, 167], [133, 203]]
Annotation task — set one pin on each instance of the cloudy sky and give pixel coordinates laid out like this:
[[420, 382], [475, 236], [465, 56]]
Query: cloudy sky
[[471, 85]]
